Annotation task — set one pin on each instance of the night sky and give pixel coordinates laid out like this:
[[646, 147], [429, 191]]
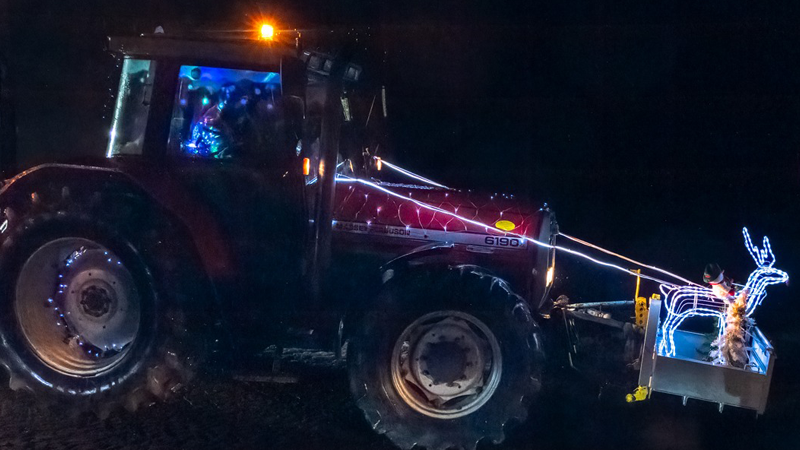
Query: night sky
[[657, 129]]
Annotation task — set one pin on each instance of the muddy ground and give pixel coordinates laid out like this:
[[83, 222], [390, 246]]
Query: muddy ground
[[317, 413]]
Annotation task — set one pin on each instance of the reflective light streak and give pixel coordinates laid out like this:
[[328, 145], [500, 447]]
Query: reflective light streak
[[609, 252], [409, 173]]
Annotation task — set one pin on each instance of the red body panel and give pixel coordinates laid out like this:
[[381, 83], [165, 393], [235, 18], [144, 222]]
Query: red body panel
[[456, 216]]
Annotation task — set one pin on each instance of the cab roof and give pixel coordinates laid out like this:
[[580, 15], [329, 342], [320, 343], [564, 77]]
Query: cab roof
[[195, 49]]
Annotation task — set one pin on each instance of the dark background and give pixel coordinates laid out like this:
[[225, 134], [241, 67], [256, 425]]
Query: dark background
[[657, 129]]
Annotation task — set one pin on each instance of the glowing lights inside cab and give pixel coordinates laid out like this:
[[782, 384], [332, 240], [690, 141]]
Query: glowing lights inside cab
[[218, 109]]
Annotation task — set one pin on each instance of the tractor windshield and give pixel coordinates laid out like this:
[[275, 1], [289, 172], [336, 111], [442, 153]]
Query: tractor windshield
[[224, 113]]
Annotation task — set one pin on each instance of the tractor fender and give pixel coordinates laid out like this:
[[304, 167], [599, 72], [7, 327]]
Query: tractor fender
[[436, 257], [111, 193], [208, 242], [425, 254]]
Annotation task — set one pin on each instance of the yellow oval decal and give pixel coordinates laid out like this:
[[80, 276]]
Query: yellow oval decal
[[505, 225]]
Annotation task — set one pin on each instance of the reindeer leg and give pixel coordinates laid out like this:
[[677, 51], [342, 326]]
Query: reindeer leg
[[673, 326], [667, 346], [662, 346]]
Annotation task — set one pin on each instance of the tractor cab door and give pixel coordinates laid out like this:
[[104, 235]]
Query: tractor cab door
[[232, 143]]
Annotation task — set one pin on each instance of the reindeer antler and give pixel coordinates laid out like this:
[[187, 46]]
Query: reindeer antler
[[764, 256]]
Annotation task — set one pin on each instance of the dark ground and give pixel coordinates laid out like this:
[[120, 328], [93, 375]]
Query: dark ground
[[657, 129], [317, 413]]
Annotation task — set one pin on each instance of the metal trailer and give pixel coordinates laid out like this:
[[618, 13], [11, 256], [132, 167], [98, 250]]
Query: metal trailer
[[688, 375]]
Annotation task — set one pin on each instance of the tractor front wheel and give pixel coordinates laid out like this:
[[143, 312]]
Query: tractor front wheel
[[445, 359]]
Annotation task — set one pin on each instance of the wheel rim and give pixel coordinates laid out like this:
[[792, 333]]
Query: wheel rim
[[446, 364], [77, 306]]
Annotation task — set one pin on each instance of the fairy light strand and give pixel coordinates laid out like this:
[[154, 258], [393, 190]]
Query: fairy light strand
[[346, 179], [572, 238], [630, 260]]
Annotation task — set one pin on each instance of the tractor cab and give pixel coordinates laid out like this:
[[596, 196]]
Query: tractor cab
[[259, 101], [236, 136]]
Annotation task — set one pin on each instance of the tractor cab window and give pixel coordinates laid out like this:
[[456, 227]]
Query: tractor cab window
[[132, 108], [226, 113]]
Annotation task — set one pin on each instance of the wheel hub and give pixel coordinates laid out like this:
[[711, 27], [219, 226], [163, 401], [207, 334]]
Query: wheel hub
[[446, 364], [443, 363], [95, 301], [97, 295], [78, 306]]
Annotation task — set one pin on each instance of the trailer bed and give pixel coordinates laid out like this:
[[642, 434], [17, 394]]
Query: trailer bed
[[689, 375]]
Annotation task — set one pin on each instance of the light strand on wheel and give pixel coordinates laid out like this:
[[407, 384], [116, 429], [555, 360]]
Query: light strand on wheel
[[58, 301]]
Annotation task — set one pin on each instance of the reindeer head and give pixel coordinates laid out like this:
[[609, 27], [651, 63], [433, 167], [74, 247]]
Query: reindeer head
[[764, 275]]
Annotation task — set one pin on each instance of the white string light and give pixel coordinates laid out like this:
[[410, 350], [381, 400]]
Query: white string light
[[346, 179], [609, 252], [579, 241], [409, 173]]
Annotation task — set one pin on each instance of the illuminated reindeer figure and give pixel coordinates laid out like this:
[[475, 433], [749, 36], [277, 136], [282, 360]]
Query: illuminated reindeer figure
[[686, 301]]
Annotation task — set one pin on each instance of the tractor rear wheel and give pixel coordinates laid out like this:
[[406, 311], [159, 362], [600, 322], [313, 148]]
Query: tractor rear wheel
[[91, 313], [445, 359]]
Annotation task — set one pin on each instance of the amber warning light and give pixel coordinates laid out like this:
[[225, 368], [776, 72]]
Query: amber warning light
[[306, 166], [267, 32]]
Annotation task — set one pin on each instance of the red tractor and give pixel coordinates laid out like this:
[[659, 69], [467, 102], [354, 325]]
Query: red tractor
[[240, 205]]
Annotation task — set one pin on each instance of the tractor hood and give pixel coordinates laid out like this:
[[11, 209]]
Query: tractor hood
[[435, 214]]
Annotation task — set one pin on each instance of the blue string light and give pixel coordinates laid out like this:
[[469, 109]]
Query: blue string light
[[58, 301]]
